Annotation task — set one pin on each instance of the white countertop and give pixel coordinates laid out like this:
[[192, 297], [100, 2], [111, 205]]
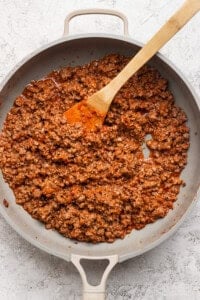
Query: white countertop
[[170, 271]]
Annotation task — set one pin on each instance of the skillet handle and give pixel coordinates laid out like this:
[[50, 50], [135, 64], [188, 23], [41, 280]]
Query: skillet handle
[[94, 11], [91, 292]]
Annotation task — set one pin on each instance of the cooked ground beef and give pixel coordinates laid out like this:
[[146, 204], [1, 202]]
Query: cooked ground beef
[[95, 186]]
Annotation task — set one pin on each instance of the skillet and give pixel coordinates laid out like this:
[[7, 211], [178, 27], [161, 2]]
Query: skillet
[[81, 49]]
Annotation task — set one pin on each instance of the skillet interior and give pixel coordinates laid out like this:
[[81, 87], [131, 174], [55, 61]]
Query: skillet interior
[[80, 50]]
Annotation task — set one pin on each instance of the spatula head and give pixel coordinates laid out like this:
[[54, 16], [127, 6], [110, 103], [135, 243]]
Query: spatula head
[[85, 115]]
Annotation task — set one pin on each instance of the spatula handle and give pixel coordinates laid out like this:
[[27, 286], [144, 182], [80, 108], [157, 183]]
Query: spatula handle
[[167, 31]]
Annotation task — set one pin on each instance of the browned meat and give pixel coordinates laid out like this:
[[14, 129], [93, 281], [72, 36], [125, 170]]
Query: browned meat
[[95, 186]]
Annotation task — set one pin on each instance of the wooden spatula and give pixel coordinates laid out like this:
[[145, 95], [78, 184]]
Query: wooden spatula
[[91, 113]]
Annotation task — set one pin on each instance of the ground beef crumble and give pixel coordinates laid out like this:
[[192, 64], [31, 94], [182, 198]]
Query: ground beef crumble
[[95, 186]]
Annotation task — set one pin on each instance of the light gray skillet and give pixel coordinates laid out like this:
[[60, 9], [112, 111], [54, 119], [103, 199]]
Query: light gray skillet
[[81, 49]]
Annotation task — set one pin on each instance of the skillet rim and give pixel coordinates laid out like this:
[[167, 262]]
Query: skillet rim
[[179, 73]]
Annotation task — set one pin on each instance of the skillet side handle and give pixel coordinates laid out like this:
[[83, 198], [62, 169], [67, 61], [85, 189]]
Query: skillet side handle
[[91, 292], [94, 11]]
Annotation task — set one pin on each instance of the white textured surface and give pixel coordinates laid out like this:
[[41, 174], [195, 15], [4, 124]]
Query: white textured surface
[[172, 270]]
